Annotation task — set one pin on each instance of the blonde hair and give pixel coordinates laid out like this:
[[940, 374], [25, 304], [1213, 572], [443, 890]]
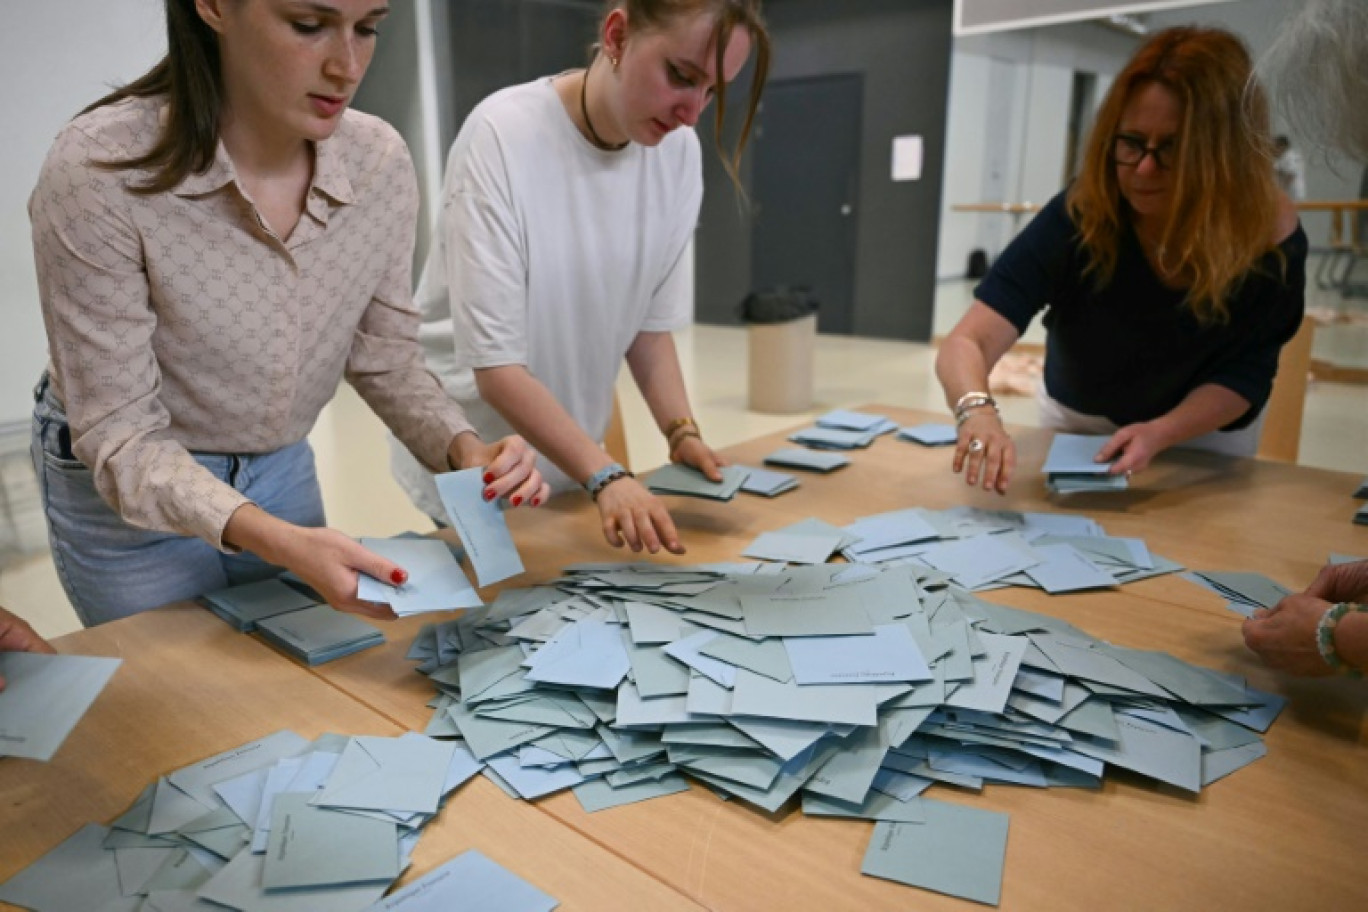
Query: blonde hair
[[727, 16], [1225, 197]]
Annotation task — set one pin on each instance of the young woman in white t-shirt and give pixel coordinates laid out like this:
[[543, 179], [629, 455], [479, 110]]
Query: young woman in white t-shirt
[[568, 206]]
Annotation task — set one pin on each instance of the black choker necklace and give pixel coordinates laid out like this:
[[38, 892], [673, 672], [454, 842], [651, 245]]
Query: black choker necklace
[[593, 134]]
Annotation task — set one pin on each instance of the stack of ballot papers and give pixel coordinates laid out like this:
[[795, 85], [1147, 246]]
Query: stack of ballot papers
[[280, 823], [688, 481], [291, 616], [810, 460], [44, 697], [767, 483], [931, 435], [319, 634], [246, 605], [1071, 466], [844, 430], [1244, 592], [850, 689]]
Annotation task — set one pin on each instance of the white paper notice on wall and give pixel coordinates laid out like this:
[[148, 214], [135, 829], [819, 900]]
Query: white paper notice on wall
[[907, 158]]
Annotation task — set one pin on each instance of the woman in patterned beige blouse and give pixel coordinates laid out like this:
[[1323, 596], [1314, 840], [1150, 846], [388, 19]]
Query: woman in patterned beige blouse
[[218, 244]]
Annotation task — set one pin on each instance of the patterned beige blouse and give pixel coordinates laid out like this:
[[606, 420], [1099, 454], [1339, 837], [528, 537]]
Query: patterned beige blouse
[[178, 322]]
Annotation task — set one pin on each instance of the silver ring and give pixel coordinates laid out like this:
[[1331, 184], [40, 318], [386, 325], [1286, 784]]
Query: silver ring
[[975, 445]]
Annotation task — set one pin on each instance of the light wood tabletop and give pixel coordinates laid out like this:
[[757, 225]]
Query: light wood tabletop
[[1284, 833]]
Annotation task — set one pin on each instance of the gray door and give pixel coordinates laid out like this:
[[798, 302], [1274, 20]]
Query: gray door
[[805, 185]]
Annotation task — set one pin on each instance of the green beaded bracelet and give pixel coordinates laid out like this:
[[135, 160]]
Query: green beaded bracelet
[[1325, 637]]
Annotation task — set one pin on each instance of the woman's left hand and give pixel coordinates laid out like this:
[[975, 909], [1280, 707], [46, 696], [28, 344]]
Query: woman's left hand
[[1132, 447], [692, 451], [510, 468]]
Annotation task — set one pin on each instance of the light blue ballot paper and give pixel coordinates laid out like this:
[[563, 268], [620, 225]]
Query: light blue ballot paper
[[767, 483], [389, 774], [889, 654], [957, 850], [812, 460], [930, 434], [315, 847], [481, 525], [78, 874], [468, 883], [793, 548], [435, 580], [44, 697], [1075, 454], [582, 654]]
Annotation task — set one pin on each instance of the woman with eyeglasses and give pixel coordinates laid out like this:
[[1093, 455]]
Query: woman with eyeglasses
[[1171, 274], [567, 212]]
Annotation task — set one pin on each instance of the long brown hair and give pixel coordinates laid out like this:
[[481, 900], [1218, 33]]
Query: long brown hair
[[1225, 199], [727, 15], [188, 77]]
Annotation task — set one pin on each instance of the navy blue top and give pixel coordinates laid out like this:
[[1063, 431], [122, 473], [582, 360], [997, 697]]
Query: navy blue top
[[1133, 350]]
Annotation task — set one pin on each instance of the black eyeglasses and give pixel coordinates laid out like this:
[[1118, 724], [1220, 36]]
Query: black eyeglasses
[[1131, 150]]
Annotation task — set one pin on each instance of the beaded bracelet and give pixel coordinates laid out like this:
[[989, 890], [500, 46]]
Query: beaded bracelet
[[604, 477], [1325, 637]]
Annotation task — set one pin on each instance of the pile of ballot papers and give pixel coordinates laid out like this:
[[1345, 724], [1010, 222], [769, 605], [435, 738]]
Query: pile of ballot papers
[[681, 479], [931, 435], [280, 823], [852, 688], [808, 460], [767, 483], [844, 430], [1071, 466]]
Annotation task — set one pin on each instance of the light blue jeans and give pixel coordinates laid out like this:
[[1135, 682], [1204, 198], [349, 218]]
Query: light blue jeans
[[111, 569]]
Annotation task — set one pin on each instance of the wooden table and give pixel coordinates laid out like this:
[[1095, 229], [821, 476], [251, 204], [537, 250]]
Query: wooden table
[[1285, 833]]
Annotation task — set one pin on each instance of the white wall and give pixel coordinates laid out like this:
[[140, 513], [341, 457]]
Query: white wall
[[56, 57], [1027, 130]]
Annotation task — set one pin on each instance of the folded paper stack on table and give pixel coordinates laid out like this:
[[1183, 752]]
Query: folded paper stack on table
[[853, 688], [688, 481], [1244, 592], [811, 460], [1071, 466], [767, 483], [280, 823], [930, 434], [844, 430]]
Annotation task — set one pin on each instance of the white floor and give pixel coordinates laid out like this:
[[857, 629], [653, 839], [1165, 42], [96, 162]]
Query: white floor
[[362, 499]]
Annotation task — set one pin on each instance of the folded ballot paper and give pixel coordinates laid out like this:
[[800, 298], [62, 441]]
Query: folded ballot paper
[[688, 481], [851, 688], [1071, 466], [1244, 592], [280, 823], [844, 430]]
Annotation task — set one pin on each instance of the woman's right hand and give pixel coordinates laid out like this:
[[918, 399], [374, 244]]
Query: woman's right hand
[[985, 451], [330, 562], [633, 516]]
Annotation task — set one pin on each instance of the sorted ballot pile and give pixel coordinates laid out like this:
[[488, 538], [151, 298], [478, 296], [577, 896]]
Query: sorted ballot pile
[[1071, 466], [844, 430], [851, 687], [280, 823]]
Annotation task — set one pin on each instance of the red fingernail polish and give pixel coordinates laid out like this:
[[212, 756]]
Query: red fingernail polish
[[536, 501], [488, 477], [517, 501], [398, 577], [489, 494]]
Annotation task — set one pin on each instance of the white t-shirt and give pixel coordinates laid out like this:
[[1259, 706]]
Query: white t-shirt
[[552, 254]]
